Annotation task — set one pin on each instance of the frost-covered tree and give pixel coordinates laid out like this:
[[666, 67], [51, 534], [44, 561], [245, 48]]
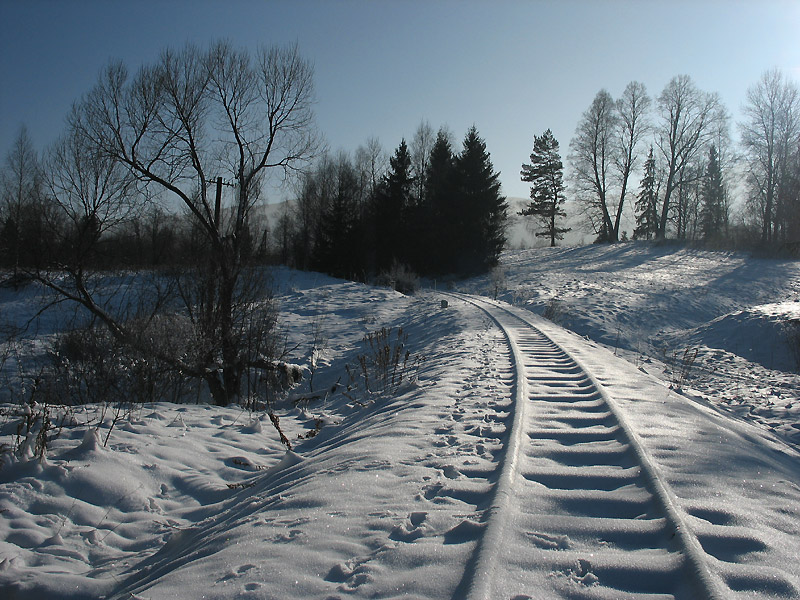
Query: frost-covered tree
[[632, 125], [546, 174], [593, 153], [603, 156]]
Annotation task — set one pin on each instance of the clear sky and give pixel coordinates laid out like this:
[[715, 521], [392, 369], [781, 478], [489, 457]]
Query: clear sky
[[513, 69]]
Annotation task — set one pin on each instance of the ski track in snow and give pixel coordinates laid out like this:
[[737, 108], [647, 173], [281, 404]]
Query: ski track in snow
[[579, 507]]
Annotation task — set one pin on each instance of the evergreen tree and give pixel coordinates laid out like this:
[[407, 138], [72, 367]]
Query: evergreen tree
[[546, 173], [482, 207], [338, 249], [392, 201], [440, 209], [713, 217], [646, 208]]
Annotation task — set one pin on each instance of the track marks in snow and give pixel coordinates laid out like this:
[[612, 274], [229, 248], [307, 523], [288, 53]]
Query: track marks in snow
[[579, 508]]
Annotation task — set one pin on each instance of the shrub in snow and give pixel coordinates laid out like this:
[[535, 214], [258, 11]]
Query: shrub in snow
[[400, 278], [498, 277], [680, 366], [91, 366], [385, 364], [34, 430], [554, 311]]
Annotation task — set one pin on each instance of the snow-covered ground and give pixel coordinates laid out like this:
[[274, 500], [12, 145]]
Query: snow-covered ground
[[503, 465], [711, 323]]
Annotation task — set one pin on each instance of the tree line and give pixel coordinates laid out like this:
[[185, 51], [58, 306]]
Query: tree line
[[689, 166], [430, 209], [166, 167], [163, 171]]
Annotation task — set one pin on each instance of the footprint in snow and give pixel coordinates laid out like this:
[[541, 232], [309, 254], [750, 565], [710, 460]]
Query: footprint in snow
[[350, 574], [451, 472], [582, 573], [465, 531], [293, 535], [549, 542], [234, 573], [413, 528], [430, 491]]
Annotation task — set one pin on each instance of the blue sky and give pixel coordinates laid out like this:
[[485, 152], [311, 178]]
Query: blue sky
[[513, 69]]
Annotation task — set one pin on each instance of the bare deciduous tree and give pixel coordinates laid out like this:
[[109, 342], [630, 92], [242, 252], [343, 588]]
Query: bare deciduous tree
[[20, 193], [632, 126], [183, 126], [592, 157], [371, 162], [769, 136], [603, 156], [687, 124], [92, 193], [421, 146]]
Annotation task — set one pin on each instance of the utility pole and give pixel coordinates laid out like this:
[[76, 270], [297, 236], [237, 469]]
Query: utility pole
[[218, 203]]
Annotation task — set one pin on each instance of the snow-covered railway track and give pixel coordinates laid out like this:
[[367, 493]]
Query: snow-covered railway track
[[579, 509]]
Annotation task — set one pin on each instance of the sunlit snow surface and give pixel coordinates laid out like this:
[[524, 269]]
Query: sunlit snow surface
[[388, 500], [656, 306]]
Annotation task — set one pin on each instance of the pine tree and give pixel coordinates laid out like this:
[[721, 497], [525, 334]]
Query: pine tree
[[646, 210], [546, 173], [483, 208], [713, 217]]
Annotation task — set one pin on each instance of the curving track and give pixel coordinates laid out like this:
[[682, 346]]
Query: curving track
[[579, 510]]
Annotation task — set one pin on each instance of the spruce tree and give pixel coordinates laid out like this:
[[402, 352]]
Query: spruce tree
[[482, 207], [440, 207], [546, 173], [713, 215], [337, 248], [646, 210], [393, 198]]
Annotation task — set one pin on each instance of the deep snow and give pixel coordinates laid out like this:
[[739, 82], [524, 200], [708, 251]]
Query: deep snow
[[390, 498]]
